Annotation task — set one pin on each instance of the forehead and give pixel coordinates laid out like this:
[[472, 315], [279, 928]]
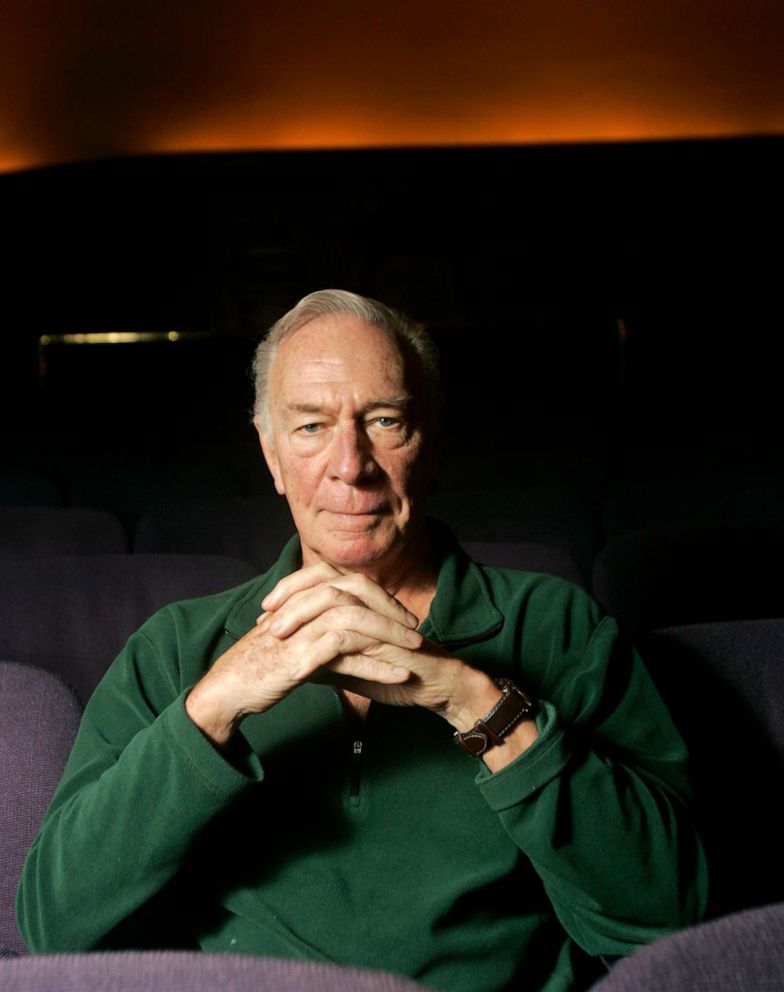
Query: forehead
[[335, 350]]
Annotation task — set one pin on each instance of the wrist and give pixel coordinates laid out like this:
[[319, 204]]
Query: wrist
[[218, 724], [476, 695], [508, 721]]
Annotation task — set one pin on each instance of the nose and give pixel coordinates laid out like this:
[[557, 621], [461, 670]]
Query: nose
[[351, 457]]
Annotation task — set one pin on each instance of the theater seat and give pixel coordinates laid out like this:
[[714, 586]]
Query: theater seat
[[187, 971], [724, 684], [57, 530], [39, 717], [131, 484], [72, 613], [556, 515], [252, 529], [673, 576], [743, 952], [526, 557]]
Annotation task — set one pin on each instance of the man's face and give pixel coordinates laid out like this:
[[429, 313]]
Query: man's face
[[347, 446]]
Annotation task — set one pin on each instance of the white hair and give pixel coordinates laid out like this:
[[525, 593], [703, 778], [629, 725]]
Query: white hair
[[412, 338]]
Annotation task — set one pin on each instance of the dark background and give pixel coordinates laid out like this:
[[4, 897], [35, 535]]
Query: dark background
[[522, 261]]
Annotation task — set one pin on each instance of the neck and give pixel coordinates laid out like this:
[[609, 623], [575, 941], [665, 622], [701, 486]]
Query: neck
[[413, 583]]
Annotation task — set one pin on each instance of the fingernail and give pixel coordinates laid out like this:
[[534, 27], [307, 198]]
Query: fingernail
[[276, 626], [411, 618], [413, 638]]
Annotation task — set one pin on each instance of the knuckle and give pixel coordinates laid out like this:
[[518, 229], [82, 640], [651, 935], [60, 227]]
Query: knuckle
[[335, 594], [345, 585], [356, 584], [374, 651], [335, 640], [344, 616], [363, 583], [323, 568], [354, 614]]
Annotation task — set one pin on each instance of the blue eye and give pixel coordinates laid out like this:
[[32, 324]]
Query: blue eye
[[309, 428], [386, 421]]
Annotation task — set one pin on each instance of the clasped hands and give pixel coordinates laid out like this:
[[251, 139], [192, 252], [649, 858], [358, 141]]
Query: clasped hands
[[322, 625]]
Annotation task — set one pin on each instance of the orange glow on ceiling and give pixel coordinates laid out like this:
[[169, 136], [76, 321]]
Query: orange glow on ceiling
[[375, 133], [92, 79]]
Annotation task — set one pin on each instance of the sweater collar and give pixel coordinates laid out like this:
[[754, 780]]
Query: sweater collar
[[462, 610], [244, 613]]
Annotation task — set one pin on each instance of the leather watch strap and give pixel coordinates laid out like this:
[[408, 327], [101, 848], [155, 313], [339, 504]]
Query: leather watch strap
[[513, 706]]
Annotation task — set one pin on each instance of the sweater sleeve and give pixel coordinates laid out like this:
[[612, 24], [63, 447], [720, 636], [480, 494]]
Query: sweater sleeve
[[140, 785], [600, 803]]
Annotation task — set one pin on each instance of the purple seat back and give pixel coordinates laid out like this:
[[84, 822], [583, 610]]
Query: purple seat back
[[39, 717], [57, 530], [724, 685], [252, 529], [526, 557], [557, 515], [73, 613], [743, 952], [669, 577], [131, 484], [188, 971]]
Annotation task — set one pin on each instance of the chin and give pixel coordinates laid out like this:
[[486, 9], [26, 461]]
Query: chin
[[358, 549], [355, 552]]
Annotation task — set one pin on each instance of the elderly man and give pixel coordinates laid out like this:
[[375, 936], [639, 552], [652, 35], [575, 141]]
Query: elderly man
[[273, 770]]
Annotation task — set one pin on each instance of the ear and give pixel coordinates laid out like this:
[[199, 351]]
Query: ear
[[270, 458]]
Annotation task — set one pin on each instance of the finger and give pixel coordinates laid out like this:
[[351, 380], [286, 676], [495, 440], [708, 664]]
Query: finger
[[361, 620], [430, 668], [304, 578], [370, 688], [365, 589], [363, 650], [326, 648], [304, 606], [375, 597], [336, 608], [362, 668]]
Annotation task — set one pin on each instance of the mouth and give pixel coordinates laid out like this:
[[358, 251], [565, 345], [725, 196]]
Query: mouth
[[363, 511], [355, 519], [349, 514]]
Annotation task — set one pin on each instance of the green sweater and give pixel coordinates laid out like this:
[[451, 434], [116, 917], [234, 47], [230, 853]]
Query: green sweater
[[386, 847]]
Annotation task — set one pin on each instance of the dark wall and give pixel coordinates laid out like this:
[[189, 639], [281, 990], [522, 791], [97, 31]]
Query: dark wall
[[545, 248]]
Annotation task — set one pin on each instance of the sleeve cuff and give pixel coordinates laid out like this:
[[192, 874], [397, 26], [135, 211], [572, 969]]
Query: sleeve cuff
[[205, 763], [532, 770]]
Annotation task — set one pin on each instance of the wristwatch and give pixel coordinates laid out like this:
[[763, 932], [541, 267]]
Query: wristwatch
[[513, 706]]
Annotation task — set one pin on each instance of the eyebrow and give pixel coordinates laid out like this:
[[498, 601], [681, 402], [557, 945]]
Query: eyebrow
[[384, 402]]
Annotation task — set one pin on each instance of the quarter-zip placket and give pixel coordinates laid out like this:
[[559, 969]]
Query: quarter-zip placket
[[356, 771], [356, 726]]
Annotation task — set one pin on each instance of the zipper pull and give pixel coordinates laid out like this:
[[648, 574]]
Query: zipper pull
[[355, 771]]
